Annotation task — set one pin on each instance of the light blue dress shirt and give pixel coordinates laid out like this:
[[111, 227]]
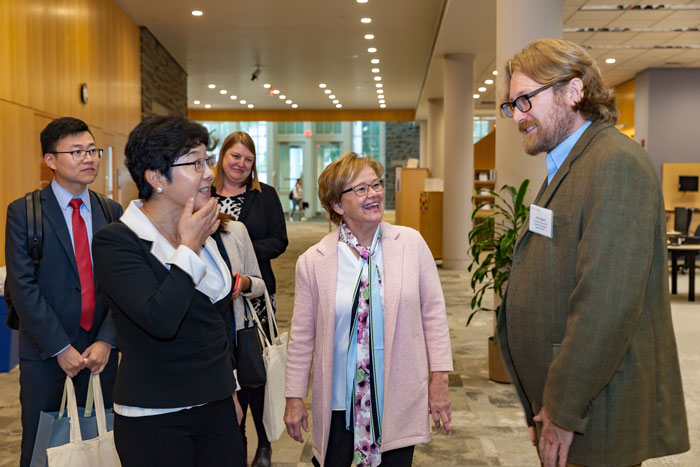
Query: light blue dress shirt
[[63, 197], [558, 155]]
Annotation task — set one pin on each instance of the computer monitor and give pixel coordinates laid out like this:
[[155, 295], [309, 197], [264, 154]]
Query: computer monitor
[[687, 183]]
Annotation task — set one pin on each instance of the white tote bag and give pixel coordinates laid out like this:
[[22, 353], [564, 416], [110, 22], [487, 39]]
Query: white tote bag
[[96, 452], [275, 358]]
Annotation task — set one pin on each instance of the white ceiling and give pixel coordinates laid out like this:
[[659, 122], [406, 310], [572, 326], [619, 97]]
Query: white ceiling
[[306, 42]]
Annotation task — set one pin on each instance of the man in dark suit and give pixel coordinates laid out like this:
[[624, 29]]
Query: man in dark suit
[[64, 329], [585, 328]]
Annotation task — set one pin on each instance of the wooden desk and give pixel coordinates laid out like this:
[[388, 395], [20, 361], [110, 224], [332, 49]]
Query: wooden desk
[[690, 251]]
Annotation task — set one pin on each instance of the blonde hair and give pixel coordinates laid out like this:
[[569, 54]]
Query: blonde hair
[[230, 141], [557, 61], [338, 173]]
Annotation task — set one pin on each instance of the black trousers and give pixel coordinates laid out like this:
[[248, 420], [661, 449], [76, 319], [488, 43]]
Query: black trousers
[[340, 447], [41, 385], [206, 436]]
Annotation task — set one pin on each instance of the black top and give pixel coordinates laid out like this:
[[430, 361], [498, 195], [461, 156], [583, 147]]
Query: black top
[[174, 341], [263, 216]]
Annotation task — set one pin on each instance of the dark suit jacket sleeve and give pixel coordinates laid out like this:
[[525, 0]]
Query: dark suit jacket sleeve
[[107, 332], [125, 273], [275, 242], [37, 317], [614, 256]]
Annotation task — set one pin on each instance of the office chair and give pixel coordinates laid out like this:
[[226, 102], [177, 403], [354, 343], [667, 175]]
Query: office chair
[[681, 220]]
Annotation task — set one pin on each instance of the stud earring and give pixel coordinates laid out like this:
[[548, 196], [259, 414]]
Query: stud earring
[[159, 190]]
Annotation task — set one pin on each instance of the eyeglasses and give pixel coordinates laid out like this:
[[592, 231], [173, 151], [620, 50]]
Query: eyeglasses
[[199, 163], [362, 189], [523, 102], [79, 155]]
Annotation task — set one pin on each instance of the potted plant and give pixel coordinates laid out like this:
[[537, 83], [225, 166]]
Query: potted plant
[[491, 244]]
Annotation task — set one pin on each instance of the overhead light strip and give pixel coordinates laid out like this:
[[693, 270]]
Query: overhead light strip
[[639, 7]]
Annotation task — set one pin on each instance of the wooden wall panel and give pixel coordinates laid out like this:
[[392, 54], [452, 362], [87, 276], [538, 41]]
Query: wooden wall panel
[[625, 105], [47, 49]]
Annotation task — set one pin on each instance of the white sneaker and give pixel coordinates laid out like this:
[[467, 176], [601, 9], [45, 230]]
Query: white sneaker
[[291, 219], [303, 219]]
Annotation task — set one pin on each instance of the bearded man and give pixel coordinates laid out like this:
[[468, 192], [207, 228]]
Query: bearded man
[[585, 327]]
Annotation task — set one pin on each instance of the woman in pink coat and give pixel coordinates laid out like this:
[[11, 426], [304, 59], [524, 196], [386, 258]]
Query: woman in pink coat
[[369, 312]]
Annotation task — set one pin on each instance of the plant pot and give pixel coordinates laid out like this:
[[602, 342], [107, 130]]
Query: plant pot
[[497, 371]]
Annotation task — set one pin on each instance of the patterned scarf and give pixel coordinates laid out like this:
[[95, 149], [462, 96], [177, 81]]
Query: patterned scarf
[[365, 362]]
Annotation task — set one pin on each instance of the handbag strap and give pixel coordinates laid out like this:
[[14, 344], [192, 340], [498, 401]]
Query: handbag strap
[[99, 404], [75, 434], [263, 337]]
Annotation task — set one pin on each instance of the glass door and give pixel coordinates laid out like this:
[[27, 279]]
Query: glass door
[[291, 164]]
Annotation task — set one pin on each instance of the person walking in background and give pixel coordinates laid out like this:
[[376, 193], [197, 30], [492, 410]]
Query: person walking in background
[[298, 200], [368, 303], [167, 277], [585, 327], [257, 205], [63, 328]]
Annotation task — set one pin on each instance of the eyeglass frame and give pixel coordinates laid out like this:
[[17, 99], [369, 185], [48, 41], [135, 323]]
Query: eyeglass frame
[[83, 152], [514, 103], [207, 159], [380, 181]]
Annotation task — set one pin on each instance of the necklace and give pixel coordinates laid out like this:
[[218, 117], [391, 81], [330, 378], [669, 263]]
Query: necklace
[[159, 227]]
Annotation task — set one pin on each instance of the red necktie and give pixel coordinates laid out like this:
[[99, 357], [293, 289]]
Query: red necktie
[[82, 258]]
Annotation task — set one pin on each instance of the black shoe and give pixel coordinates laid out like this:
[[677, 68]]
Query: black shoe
[[262, 457]]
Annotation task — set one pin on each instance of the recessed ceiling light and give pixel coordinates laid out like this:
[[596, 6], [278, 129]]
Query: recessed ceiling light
[[377, 78], [382, 101], [196, 102], [207, 106], [383, 106], [331, 96], [243, 101], [482, 89], [380, 96], [495, 72], [379, 85], [288, 101], [338, 106], [233, 98], [609, 60], [294, 106], [372, 50], [267, 85], [212, 86], [197, 13], [369, 36], [282, 96], [379, 91], [250, 106], [275, 91], [322, 85], [328, 91], [374, 61], [336, 101], [223, 91], [375, 70], [366, 20], [361, 1], [488, 81], [476, 96]]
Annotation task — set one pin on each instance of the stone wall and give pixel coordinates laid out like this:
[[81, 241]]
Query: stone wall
[[402, 143], [163, 81]]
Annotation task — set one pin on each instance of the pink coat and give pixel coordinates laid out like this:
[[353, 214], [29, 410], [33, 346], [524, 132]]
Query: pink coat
[[416, 341]]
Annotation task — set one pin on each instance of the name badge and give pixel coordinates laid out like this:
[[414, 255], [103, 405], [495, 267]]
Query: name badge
[[541, 220]]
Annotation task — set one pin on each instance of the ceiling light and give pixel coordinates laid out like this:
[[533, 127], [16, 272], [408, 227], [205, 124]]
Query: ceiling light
[[282, 96], [267, 85], [331, 96], [275, 91], [482, 89], [377, 78], [383, 106], [476, 96], [379, 91], [223, 91], [369, 36], [494, 72], [361, 1], [288, 101], [250, 106], [488, 81], [379, 85], [609, 60], [207, 106], [380, 96], [294, 106], [382, 101], [375, 70], [233, 98], [212, 86], [371, 50], [328, 91], [336, 101], [196, 102], [338, 106], [197, 13], [243, 101], [366, 20], [374, 61], [322, 85]]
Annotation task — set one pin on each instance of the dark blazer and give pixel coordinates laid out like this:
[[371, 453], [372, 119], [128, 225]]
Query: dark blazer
[[47, 300], [175, 343], [263, 216], [585, 328]]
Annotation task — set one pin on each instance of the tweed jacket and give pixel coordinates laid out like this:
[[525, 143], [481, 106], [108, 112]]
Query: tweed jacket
[[585, 328], [416, 341]]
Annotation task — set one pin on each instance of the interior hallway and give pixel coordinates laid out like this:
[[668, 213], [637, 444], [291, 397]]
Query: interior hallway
[[487, 423]]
